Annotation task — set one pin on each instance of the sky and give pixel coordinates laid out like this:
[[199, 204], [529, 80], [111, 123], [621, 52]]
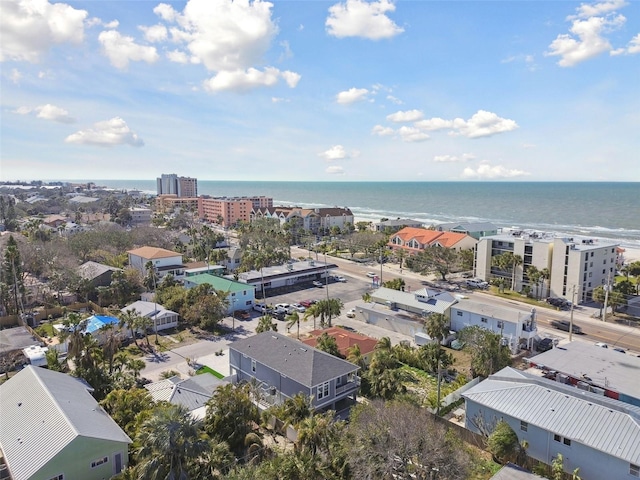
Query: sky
[[348, 90]]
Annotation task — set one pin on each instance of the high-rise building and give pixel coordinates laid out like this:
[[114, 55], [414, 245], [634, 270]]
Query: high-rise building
[[171, 184]]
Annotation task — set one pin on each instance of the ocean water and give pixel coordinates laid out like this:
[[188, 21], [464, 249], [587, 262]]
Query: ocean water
[[598, 210]]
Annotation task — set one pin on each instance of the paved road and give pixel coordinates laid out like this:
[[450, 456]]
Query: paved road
[[351, 292]]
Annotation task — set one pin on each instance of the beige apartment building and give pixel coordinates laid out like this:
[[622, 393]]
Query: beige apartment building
[[573, 263], [171, 202]]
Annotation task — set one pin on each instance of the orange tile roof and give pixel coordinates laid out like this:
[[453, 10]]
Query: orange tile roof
[[152, 253], [429, 237], [345, 340]]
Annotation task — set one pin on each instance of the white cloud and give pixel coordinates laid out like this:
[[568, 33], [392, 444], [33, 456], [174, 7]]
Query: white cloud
[[279, 100], [406, 116], [586, 38], [335, 170], [177, 56], [395, 100], [435, 123], [412, 134], [631, 49], [155, 33], [166, 12], [240, 80], [15, 76], [224, 35], [465, 157], [337, 152], [112, 24], [486, 171], [292, 78], [48, 112], [382, 131], [107, 134], [28, 29], [586, 10], [121, 49], [358, 18], [483, 124], [352, 95]]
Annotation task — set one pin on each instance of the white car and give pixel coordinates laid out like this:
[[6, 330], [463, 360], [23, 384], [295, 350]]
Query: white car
[[371, 274], [260, 307], [351, 313], [602, 345], [298, 308], [340, 279], [282, 308]]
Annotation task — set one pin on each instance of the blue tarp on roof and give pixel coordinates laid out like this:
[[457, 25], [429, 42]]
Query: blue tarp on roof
[[96, 322]]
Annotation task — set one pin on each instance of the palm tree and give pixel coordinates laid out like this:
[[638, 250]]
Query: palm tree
[[131, 319], [438, 328], [111, 344], [329, 308], [534, 278], [516, 261], [170, 441], [545, 275], [265, 323], [354, 355], [384, 344], [312, 311], [318, 432], [293, 319]]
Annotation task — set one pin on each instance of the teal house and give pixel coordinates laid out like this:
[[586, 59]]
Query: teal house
[[241, 296]]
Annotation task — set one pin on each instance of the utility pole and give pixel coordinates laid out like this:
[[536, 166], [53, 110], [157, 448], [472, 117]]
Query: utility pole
[[606, 299], [573, 301]]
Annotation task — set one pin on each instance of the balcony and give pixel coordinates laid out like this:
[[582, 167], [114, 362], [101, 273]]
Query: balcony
[[348, 387]]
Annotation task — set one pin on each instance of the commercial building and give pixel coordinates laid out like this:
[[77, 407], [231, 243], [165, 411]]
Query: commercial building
[[140, 216]]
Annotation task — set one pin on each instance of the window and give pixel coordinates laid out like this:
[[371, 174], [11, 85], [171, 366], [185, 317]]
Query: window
[[99, 462], [459, 313], [567, 441], [634, 470], [253, 365], [323, 390], [483, 320], [523, 425], [560, 439], [556, 437], [500, 324]]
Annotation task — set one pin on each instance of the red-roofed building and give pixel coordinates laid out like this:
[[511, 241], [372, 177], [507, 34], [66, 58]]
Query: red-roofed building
[[414, 239], [345, 341]]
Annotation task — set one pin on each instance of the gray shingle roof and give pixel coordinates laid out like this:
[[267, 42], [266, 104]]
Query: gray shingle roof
[[601, 423], [91, 270], [304, 364], [42, 412]]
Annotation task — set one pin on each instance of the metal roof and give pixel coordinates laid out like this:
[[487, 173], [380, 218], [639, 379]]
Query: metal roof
[[193, 393], [598, 422], [304, 364], [434, 301], [222, 284], [499, 312], [602, 367], [96, 322], [42, 412], [148, 309]]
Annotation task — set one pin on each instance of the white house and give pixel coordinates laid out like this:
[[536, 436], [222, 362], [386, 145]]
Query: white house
[[52, 428], [517, 327], [598, 435], [162, 318], [165, 262]]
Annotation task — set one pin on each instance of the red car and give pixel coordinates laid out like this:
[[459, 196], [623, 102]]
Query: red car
[[307, 303]]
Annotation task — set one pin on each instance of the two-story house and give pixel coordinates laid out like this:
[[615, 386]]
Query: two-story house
[[165, 262], [516, 326], [285, 367]]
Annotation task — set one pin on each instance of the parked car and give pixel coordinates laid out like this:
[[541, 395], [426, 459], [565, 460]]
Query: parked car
[[260, 307], [351, 313], [621, 350], [338, 278], [318, 284], [371, 274], [602, 345], [282, 308], [477, 283], [298, 308], [564, 325], [307, 303], [559, 302], [545, 344]]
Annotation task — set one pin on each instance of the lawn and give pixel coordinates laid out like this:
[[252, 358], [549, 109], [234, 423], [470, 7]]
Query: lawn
[[205, 369]]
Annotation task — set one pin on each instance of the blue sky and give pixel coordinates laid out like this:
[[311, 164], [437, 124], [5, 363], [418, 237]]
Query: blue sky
[[327, 91]]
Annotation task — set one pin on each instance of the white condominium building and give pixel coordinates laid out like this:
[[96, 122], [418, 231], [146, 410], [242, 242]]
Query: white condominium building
[[579, 263]]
